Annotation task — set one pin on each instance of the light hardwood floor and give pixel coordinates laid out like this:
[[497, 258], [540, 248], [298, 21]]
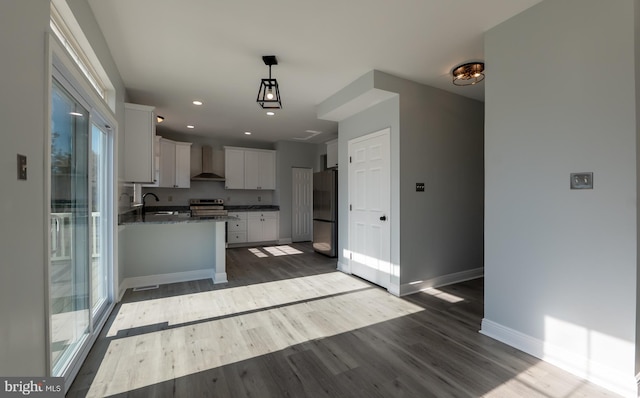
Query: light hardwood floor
[[289, 325]]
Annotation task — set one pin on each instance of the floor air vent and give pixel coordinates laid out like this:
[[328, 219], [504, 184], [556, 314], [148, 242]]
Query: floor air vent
[[141, 288]]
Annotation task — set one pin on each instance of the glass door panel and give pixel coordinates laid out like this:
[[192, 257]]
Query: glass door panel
[[70, 228], [99, 168]]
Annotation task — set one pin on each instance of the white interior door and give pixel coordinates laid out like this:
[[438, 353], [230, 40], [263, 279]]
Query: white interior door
[[369, 204], [301, 206]]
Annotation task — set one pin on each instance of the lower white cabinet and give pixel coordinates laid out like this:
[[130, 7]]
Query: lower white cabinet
[[262, 226], [237, 229], [253, 226]]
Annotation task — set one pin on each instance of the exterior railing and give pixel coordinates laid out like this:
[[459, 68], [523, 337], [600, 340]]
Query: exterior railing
[[61, 239]]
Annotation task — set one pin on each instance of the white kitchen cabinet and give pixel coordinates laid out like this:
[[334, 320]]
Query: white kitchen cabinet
[[237, 229], [262, 226], [139, 143], [247, 168], [175, 164], [332, 153], [183, 164], [266, 170], [233, 168]]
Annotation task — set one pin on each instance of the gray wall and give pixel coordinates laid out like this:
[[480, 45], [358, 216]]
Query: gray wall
[[637, 87], [24, 116], [22, 247], [291, 154], [441, 145], [436, 138], [560, 264]]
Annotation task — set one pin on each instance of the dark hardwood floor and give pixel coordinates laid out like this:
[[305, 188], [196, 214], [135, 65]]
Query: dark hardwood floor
[[289, 325]]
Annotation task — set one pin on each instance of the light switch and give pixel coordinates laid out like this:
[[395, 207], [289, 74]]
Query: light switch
[[22, 167], [581, 180], [419, 186]]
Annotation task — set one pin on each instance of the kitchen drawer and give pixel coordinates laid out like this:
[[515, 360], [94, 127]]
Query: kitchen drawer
[[237, 237], [237, 225], [263, 214], [240, 214]]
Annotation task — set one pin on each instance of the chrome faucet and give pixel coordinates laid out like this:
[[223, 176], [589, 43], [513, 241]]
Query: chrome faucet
[[144, 210]]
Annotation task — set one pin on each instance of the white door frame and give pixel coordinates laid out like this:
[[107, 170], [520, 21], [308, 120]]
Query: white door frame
[[386, 134]]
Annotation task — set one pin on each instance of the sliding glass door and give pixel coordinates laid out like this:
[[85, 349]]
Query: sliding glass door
[[80, 258]]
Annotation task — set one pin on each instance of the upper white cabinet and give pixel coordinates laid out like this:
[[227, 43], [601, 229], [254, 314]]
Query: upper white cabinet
[[175, 164], [183, 164], [139, 143], [332, 153], [247, 168], [259, 169], [234, 168]]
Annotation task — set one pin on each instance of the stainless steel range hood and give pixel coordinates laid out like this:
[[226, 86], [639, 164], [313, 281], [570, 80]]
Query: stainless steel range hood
[[207, 167]]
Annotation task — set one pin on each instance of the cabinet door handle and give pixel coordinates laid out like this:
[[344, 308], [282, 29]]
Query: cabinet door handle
[[383, 218]]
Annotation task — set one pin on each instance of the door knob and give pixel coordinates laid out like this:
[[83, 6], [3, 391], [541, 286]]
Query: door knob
[[383, 218]]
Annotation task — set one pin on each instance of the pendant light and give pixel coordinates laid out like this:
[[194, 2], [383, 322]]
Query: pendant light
[[269, 91]]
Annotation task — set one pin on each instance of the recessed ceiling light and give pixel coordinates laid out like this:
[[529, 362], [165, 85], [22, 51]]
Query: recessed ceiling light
[[247, 132], [270, 113], [196, 102], [191, 126]]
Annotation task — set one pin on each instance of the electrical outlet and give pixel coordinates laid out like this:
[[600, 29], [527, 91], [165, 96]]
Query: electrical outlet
[[419, 186], [581, 180], [259, 199], [170, 198]]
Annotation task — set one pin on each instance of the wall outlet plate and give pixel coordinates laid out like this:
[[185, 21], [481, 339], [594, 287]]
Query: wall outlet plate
[[581, 181]]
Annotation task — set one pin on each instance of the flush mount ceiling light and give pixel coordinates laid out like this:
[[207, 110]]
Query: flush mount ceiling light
[[269, 92], [468, 74]]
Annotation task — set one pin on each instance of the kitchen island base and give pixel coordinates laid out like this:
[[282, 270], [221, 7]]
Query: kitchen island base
[[159, 253]]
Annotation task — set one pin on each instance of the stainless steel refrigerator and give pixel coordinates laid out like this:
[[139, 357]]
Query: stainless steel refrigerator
[[325, 212]]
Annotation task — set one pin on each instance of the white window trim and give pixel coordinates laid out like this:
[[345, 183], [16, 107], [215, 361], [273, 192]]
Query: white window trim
[[65, 27]]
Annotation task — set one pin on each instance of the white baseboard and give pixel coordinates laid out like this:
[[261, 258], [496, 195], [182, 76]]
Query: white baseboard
[[220, 277], [443, 280], [344, 267], [163, 279], [597, 373]]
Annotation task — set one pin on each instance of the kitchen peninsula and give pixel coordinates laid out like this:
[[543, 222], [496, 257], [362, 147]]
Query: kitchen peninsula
[[166, 248]]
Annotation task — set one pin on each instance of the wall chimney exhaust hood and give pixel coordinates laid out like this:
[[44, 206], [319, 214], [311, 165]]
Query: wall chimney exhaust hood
[[207, 167]]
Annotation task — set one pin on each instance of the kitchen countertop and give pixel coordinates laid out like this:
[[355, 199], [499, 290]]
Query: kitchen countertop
[[172, 219], [134, 217], [253, 208]]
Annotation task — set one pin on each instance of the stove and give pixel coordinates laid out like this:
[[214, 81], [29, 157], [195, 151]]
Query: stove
[[207, 207]]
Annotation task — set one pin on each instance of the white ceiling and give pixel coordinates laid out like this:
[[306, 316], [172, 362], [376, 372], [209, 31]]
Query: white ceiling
[[170, 52]]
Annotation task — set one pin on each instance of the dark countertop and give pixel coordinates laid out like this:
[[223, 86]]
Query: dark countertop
[[172, 219], [183, 215], [253, 208]]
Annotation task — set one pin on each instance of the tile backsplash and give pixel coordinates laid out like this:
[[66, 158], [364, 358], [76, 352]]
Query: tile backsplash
[[209, 190], [125, 197]]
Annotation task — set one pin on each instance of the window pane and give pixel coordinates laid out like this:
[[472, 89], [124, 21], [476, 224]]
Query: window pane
[[99, 221], [69, 272]]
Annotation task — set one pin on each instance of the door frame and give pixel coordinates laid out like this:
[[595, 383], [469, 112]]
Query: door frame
[[386, 133]]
